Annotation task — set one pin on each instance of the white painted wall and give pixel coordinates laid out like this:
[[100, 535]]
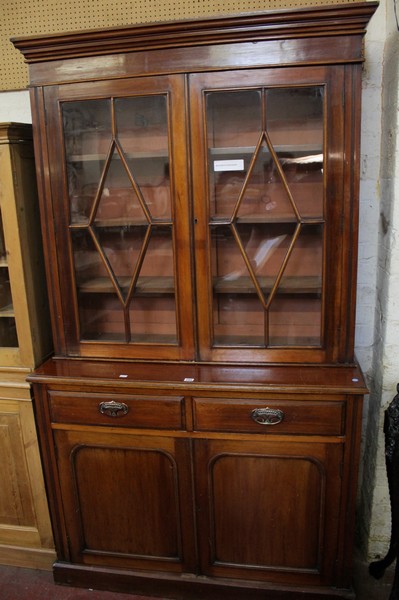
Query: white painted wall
[[377, 334], [15, 107], [385, 364], [367, 325]]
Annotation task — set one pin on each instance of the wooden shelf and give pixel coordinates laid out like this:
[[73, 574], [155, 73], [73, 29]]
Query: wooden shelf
[[288, 285], [120, 222], [269, 218], [241, 285], [103, 156], [313, 154], [146, 286]]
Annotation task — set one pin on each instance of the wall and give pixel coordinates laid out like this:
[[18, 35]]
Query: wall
[[28, 17], [15, 107], [377, 345], [375, 497]]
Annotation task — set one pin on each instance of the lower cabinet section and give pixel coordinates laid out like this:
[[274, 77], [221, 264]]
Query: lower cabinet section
[[25, 530], [271, 510], [127, 499], [200, 491]]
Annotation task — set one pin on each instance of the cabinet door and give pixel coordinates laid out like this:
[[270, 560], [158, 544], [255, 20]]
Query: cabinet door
[[24, 321], [120, 208], [269, 510], [127, 499], [268, 160], [25, 529]]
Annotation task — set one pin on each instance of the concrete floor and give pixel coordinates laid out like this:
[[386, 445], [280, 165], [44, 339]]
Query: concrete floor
[[368, 588]]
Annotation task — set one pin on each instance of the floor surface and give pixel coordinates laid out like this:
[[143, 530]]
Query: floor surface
[[31, 584]]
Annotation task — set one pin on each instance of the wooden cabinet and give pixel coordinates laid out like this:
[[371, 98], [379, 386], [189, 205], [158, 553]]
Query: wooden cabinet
[[272, 509], [199, 482], [25, 340], [200, 420]]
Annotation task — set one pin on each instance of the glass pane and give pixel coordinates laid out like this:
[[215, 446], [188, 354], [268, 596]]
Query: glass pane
[[266, 247], [87, 138], [121, 218], [101, 317], [296, 310], [142, 131], [100, 309], [238, 312], [234, 125], [295, 322], [122, 247], [265, 197], [8, 331], [239, 320], [119, 203], [153, 305], [3, 251], [295, 125], [266, 181]]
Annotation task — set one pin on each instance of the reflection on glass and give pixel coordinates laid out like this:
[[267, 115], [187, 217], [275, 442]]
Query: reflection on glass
[[295, 127], [153, 309], [122, 247], [266, 206], [121, 218], [87, 137], [265, 197], [119, 202], [142, 131], [100, 309], [3, 252], [238, 311], [234, 124], [297, 306]]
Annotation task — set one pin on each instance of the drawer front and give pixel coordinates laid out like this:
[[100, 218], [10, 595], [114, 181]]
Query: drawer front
[[294, 416], [117, 410]]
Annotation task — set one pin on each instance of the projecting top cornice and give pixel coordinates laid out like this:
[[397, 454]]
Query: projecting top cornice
[[333, 20]]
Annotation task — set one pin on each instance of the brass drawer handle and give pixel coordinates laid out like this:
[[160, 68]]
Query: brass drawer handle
[[267, 416], [113, 409]]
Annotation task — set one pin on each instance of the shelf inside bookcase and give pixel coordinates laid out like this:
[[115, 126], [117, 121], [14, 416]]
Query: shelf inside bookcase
[[119, 222], [272, 219], [101, 157], [288, 285], [221, 285], [314, 153], [146, 285]]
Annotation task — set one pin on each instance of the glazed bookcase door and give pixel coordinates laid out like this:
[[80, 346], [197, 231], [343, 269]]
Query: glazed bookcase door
[[24, 334], [8, 329], [124, 191], [264, 271]]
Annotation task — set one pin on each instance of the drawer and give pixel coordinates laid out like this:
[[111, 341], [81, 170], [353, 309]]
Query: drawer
[[305, 416], [118, 410]]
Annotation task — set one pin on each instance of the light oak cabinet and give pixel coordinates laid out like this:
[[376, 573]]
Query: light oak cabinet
[[200, 421], [25, 340]]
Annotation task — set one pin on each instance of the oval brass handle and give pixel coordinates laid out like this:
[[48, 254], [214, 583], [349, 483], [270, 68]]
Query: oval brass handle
[[267, 416], [113, 409]]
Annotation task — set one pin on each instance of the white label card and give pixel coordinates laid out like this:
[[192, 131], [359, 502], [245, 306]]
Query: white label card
[[235, 164]]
